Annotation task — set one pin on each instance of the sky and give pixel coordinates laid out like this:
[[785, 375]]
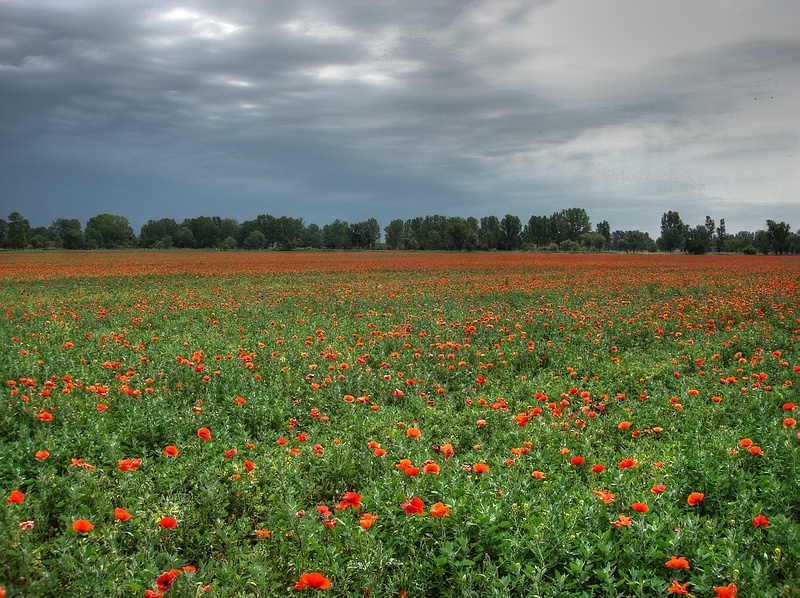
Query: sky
[[386, 109]]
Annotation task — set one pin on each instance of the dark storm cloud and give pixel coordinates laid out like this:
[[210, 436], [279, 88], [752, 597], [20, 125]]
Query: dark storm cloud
[[357, 109]]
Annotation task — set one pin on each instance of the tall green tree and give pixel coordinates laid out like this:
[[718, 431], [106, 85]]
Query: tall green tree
[[779, 235], [604, 228], [489, 233], [673, 232], [67, 233], [719, 239], [394, 234], [18, 231], [510, 232], [109, 231], [158, 233]]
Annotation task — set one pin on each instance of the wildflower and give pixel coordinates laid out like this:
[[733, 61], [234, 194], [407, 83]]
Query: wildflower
[[694, 498], [82, 526], [412, 471], [604, 495], [148, 593], [677, 588], [480, 468], [204, 434], [16, 497], [789, 422], [45, 417], [26, 525], [431, 468], [677, 562], [624, 425], [168, 522], [171, 451], [576, 460], [640, 507], [413, 506], [755, 450], [446, 451], [621, 521], [745, 443], [121, 514], [129, 464], [249, 465], [658, 489], [599, 468], [760, 521], [42, 455], [539, 475], [264, 533], [350, 499], [440, 510], [480, 380], [626, 463], [728, 591], [367, 520], [413, 433], [312, 580], [165, 581]]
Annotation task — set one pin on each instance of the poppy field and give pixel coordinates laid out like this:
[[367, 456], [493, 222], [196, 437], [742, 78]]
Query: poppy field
[[399, 424]]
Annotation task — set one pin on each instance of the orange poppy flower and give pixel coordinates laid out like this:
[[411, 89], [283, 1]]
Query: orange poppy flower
[[677, 562], [312, 580], [440, 510], [745, 443], [204, 434], [576, 460], [621, 521], [431, 468], [121, 514], [367, 520], [604, 495], [446, 451], [658, 489], [640, 507], [626, 463], [82, 526], [264, 533], [599, 468], [480, 468], [539, 475], [728, 591], [677, 588], [168, 522], [171, 451], [755, 450], [16, 497], [789, 422], [413, 433], [624, 425], [129, 464], [694, 498], [42, 455], [45, 417]]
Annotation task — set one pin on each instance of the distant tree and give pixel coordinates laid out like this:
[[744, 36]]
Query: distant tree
[[336, 235], [592, 241], [228, 227], [577, 222], [719, 239], [489, 234], [633, 241], [3, 232], [228, 243], [155, 233], [67, 233], [184, 238], [779, 234], [108, 231], [740, 242], [604, 228], [762, 242], [536, 231], [710, 228], [18, 231], [255, 240], [673, 232], [698, 240], [510, 232], [364, 235], [288, 232], [312, 237], [205, 230], [394, 234], [461, 235]]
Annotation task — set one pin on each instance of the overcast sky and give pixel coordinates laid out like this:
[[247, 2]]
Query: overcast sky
[[326, 109]]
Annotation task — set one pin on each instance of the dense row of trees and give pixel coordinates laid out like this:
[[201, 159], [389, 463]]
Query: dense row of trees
[[567, 230]]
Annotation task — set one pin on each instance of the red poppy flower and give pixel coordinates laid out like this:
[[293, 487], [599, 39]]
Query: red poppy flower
[[204, 434], [576, 460], [129, 464], [264, 533], [658, 489], [148, 593], [677, 562], [350, 499], [599, 468], [431, 468], [82, 526], [480, 468], [413, 433], [760, 521], [728, 591], [626, 463], [249, 465], [16, 497], [168, 522], [694, 498], [165, 581], [621, 521], [42, 455], [440, 510], [171, 451], [45, 417], [604, 495], [413, 506], [122, 514], [367, 520], [640, 507], [312, 580]]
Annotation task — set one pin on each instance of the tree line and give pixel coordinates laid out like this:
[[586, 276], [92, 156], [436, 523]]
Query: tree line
[[567, 230]]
